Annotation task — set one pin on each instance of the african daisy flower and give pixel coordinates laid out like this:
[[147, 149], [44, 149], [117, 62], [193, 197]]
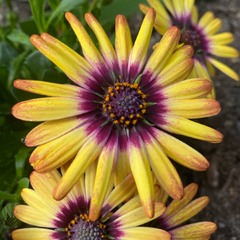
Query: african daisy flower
[[118, 110], [120, 216], [201, 33], [179, 211]]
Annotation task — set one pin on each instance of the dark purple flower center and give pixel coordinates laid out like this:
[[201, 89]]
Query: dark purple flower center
[[81, 227], [193, 38], [124, 104]]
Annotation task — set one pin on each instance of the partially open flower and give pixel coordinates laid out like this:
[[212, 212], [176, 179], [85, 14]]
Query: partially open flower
[[119, 110], [179, 211], [120, 218], [201, 33]]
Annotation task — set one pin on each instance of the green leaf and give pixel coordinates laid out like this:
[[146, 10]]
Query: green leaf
[[15, 67], [7, 53], [64, 6], [7, 216], [53, 3], [18, 36], [20, 160], [37, 64], [22, 183], [37, 8], [124, 7], [8, 196]]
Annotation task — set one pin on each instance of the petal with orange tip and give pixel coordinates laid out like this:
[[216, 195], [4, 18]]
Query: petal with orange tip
[[186, 127], [47, 88], [70, 62], [143, 233], [46, 109], [181, 152], [105, 45], [196, 231], [32, 233], [164, 171]]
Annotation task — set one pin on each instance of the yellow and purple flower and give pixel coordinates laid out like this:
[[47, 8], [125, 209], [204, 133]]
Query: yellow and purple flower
[[179, 211], [201, 33], [68, 219], [119, 110]]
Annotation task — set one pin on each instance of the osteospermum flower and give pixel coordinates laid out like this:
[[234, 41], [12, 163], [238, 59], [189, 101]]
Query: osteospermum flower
[[120, 216], [118, 110], [179, 211], [201, 33]]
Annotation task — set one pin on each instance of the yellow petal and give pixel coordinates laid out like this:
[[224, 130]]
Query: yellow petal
[[106, 162], [165, 172], [186, 127], [159, 8], [43, 184], [201, 69], [163, 51], [139, 51], [176, 205], [187, 212], [32, 216], [192, 108], [182, 153], [213, 27], [122, 168], [137, 216], [170, 7], [104, 42], [32, 233], [188, 89], [205, 19], [85, 157], [224, 68], [179, 55], [188, 5], [221, 38], [50, 130], [161, 24], [196, 231], [123, 39], [143, 178], [120, 194], [71, 63], [89, 49], [47, 88], [224, 51], [55, 153], [35, 201], [143, 233], [178, 73], [178, 8], [45, 109], [89, 176], [128, 206], [194, 15]]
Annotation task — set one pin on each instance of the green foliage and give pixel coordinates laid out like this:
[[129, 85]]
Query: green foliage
[[20, 60]]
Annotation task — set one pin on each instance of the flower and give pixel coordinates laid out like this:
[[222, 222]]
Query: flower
[[120, 217], [201, 33], [118, 111], [179, 211]]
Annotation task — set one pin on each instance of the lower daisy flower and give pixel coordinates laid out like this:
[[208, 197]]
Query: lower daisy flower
[[179, 211], [201, 33], [120, 218], [119, 110]]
